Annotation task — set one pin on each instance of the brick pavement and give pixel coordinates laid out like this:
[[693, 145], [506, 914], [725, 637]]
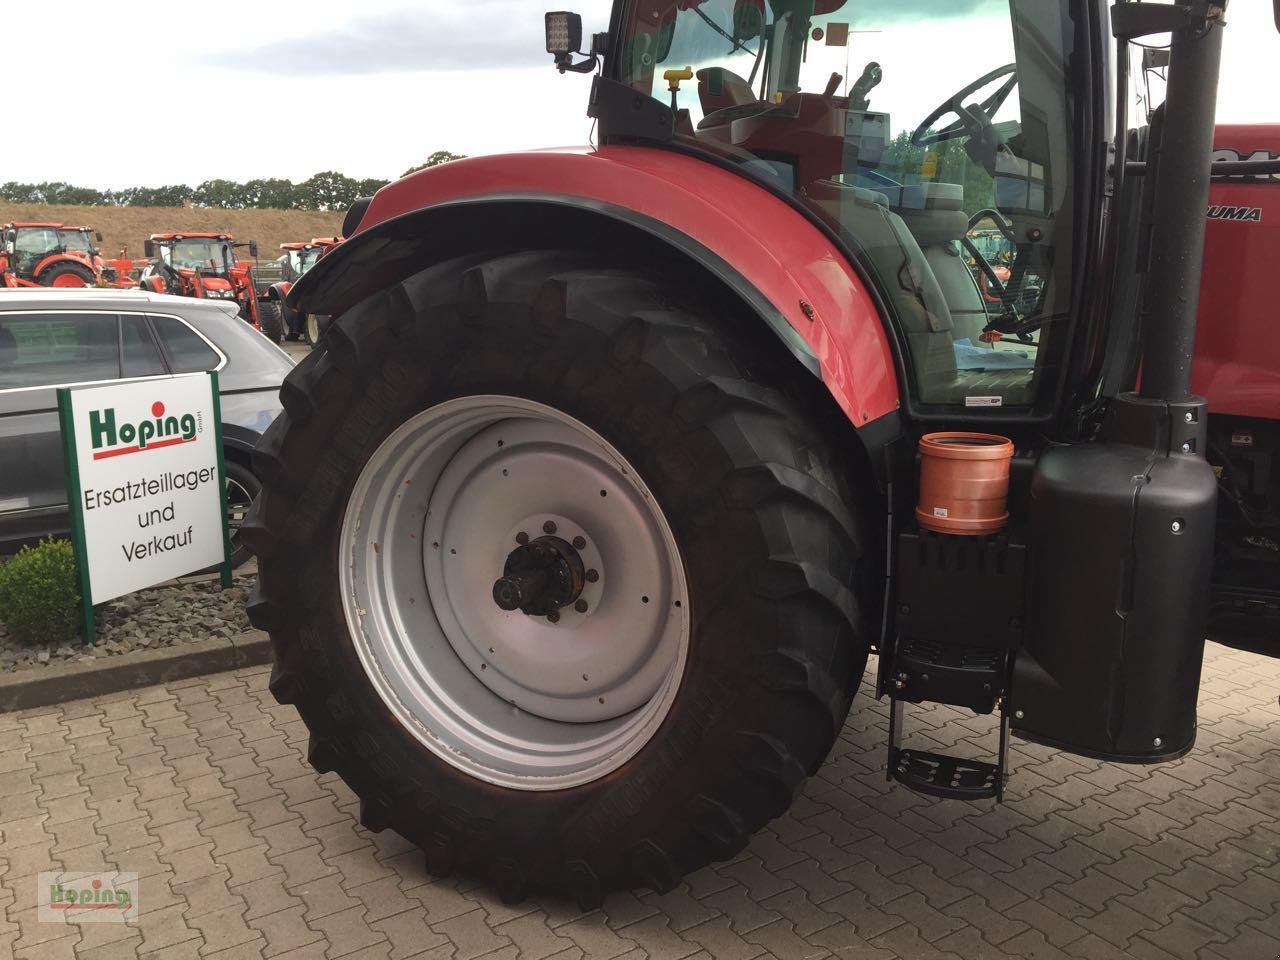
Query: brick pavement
[[201, 788]]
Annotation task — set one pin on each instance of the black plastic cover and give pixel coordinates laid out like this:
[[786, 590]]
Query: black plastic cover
[[1122, 547]]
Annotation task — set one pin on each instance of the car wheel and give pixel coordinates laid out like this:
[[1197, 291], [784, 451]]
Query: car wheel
[[242, 487]]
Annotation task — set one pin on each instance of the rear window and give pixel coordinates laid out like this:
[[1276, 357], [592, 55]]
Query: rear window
[[47, 349], [188, 351]]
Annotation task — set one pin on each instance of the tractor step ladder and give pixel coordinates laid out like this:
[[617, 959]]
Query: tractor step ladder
[[940, 775], [958, 623]]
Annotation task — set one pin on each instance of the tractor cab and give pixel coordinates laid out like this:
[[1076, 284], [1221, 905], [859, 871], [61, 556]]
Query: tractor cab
[[208, 255], [300, 257], [918, 138], [80, 240]]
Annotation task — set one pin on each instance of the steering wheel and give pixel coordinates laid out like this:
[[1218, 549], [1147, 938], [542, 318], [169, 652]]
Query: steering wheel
[[975, 119]]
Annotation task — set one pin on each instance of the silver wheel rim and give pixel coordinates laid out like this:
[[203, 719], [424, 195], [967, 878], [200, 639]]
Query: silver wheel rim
[[313, 329], [509, 698]]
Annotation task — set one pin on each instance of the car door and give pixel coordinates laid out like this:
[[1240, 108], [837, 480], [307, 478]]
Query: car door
[[39, 352]]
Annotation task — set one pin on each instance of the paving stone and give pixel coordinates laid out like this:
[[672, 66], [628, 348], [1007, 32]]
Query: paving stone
[[285, 930], [201, 787]]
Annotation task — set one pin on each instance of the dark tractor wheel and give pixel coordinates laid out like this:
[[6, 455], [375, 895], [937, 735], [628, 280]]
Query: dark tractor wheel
[[67, 275], [242, 487], [271, 320], [563, 581]]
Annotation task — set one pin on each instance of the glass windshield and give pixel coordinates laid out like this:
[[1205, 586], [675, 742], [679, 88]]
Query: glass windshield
[[75, 240], [31, 245], [207, 256], [918, 130], [303, 260]]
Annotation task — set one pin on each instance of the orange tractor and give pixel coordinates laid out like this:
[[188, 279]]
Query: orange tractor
[[298, 258], [49, 255], [204, 265]]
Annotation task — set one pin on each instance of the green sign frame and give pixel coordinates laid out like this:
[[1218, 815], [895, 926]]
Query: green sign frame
[[75, 502]]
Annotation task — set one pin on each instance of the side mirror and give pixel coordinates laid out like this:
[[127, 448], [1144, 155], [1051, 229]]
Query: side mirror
[[564, 34], [148, 249], [98, 234], [253, 249]]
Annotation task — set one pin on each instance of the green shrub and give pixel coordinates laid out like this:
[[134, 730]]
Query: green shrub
[[40, 595]]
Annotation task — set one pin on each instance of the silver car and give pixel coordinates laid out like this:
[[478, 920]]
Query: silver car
[[63, 337]]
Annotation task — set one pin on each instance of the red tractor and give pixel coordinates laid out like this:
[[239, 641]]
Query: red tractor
[[204, 265], [49, 255], [297, 259], [616, 464]]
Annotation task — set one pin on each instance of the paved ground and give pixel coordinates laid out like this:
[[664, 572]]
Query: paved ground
[[200, 786]]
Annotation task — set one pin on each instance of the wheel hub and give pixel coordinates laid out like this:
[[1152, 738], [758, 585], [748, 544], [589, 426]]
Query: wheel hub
[[540, 577]]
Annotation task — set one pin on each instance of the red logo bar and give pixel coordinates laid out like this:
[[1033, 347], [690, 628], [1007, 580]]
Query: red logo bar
[[121, 451]]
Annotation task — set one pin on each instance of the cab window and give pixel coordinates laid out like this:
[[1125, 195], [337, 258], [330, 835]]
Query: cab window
[[916, 132]]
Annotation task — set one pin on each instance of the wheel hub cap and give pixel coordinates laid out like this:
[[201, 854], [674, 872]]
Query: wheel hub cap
[[540, 577]]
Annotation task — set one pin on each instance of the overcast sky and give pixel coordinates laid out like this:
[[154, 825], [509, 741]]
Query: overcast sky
[[114, 96]]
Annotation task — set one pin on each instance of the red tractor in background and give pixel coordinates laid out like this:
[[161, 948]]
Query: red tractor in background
[[616, 464], [204, 265], [48, 255], [297, 259]]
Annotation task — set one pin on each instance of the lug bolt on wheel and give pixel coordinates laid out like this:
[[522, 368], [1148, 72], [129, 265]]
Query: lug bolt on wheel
[[522, 538], [592, 576], [549, 527], [581, 606], [554, 616], [579, 543]]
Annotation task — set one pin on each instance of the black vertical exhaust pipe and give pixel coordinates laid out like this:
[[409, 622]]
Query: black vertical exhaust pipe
[[1123, 525], [1171, 293]]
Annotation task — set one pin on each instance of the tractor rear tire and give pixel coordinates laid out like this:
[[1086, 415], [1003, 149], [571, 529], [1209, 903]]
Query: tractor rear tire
[[67, 275], [625, 407], [270, 320]]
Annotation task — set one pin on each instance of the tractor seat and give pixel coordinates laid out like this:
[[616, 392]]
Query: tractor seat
[[934, 213], [719, 89]]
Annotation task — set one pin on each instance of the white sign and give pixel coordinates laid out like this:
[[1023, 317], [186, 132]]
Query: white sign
[[145, 474]]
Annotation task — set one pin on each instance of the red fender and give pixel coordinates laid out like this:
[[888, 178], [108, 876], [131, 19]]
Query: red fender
[[791, 262], [54, 258]]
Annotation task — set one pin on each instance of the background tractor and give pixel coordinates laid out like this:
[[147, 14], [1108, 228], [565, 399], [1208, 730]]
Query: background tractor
[[616, 464], [296, 260], [48, 255], [204, 265]]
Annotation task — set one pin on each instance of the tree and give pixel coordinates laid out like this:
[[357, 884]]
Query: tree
[[274, 194], [327, 190], [215, 193], [367, 188], [437, 158]]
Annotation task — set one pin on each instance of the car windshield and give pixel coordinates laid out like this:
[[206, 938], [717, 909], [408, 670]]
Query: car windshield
[[850, 107], [207, 256]]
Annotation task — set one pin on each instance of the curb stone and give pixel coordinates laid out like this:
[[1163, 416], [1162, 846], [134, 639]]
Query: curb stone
[[24, 689]]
